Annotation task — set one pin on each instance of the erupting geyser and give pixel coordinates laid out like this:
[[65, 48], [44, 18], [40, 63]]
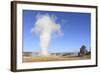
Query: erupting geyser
[[45, 26]]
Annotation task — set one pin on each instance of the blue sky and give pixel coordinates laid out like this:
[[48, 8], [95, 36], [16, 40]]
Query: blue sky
[[75, 26]]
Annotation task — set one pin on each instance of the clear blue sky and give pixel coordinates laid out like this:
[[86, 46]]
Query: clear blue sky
[[75, 26]]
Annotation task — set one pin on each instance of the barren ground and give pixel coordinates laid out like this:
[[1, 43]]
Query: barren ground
[[53, 58]]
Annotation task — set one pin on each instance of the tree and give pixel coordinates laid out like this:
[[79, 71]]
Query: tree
[[83, 50], [89, 52]]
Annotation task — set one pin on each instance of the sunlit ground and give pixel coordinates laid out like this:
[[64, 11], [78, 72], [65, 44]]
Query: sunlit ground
[[54, 58]]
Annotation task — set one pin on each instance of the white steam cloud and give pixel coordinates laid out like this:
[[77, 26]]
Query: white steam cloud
[[45, 26]]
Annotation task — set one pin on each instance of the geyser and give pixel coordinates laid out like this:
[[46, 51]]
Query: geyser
[[45, 27]]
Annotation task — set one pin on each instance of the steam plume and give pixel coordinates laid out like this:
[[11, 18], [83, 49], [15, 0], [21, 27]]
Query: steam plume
[[45, 26]]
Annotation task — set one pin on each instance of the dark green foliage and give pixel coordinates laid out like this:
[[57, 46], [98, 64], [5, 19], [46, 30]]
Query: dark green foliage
[[83, 50]]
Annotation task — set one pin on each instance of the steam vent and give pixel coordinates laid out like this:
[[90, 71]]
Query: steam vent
[[44, 27]]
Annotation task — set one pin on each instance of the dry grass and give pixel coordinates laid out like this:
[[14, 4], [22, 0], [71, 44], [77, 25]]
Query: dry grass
[[53, 58]]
